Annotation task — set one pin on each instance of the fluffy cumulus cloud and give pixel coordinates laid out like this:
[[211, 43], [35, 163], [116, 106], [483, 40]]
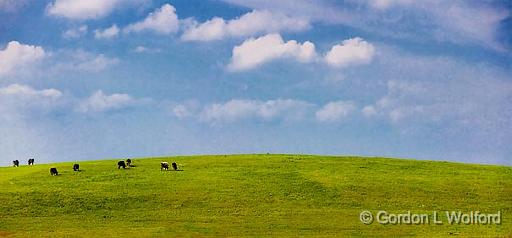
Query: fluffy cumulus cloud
[[350, 52], [254, 109], [81, 9], [16, 55], [108, 33], [335, 111], [75, 32], [101, 102], [254, 52], [249, 24], [163, 21]]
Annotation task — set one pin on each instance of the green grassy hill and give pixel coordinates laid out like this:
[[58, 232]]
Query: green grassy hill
[[249, 195]]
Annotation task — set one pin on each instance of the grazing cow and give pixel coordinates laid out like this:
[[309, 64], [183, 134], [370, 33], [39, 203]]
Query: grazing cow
[[16, 163], [129, 162], [53, 171], [76, 167], [30, 161], [164, 165], [174, 166], [121, 164]]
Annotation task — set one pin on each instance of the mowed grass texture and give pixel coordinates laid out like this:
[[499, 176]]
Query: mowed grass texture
[[249, 195]]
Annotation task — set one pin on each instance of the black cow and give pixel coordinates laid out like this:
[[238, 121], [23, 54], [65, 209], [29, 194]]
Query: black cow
[[76, 167], [30, 161], [16, 163], [164, 165], [53, 171], [174, 166], [121, 164], [129, 162]]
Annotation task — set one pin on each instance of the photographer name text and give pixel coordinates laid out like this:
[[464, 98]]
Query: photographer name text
[[436, 217]]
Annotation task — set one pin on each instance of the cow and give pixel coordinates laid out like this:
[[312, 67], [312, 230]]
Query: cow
[[76, 167], [174, 166], [30, 161], [129, 162], [120, 164], [53, 172], [16, 163], [164, 166]]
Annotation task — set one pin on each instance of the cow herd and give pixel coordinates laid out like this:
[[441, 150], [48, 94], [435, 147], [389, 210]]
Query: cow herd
[[165, 166], [16, 163], [120, 164]]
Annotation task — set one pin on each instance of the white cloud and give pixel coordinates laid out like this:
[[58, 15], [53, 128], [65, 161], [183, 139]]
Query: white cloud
[[100, 102], [16, 100], [461, 23], [75, 32], [214, 29], [140, 49], [16, 55], [79, 60], [27, 91], [335, 111], [392, 104], [456, 21], [249, 24], [350, 52], [96, 64], [181, 111], [82, 9], [254, 52], [144, 49], [444, 92], [163, 20], [253, 109], [108, 33], [186, 109], [385, 4], [369, 111]]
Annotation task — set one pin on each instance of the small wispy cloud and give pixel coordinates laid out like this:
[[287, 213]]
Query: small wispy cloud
[[101, 102], [335, 111], [163, 21], [107, 33], [74, 33]]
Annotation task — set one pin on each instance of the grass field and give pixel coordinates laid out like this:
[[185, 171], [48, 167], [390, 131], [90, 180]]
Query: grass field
[[249, 195]]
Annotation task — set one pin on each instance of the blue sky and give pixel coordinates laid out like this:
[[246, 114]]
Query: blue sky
[[91, 79]]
